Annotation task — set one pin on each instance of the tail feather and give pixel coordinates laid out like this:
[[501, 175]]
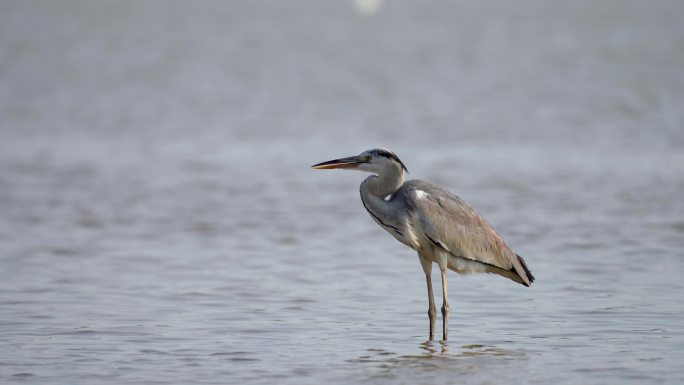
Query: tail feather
[[520, 273], [467, 266], [530, 277]]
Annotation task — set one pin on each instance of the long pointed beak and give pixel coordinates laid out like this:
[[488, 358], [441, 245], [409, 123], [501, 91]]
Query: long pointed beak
[[350, 162]]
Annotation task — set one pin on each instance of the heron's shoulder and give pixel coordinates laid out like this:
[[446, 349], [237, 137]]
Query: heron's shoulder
[[419, 189], [417, 184]]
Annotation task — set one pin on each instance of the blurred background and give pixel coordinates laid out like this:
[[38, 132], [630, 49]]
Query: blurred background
[[159, 222]]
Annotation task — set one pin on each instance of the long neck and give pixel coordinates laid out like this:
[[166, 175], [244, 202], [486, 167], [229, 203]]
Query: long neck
[[373, 191], [386, 183], [376, 187]]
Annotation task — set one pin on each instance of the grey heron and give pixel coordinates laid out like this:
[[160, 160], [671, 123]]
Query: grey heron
[[439, 225]]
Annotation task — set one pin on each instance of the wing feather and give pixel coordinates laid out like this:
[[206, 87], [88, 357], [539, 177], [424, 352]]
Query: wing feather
[[453, 225]]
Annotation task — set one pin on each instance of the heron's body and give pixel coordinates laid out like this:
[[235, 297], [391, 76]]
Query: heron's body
[[440, 226], [437, 222]]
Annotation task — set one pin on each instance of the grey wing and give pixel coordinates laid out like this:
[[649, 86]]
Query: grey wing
[[454, 226]]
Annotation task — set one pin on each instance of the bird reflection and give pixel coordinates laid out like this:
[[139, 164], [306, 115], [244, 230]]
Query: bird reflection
[[436, 359], [431, 347], [439, 351]]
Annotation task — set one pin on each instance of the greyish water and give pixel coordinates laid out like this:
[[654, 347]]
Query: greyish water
[[159, 222]]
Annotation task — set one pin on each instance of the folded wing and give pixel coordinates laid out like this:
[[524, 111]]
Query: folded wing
[[452, 225]]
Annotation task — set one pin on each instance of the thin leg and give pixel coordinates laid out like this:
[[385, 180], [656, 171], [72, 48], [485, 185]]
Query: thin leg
[[445, 306], [432, 311]]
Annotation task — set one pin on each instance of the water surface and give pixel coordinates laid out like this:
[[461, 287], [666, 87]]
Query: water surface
[[159, 222]]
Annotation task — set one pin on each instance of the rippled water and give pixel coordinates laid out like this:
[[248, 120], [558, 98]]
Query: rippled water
[[159, 222]]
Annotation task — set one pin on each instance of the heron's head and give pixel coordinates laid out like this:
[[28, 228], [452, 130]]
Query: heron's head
[[375, 161]]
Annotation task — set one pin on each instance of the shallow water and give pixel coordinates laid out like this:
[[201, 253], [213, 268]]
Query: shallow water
[[159, 222]]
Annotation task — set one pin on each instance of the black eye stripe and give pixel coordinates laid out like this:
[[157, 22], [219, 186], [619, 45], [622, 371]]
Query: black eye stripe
[[390, 155]]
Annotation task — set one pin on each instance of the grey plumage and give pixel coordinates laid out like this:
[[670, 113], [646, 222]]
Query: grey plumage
[[439, 225], [451, 224]]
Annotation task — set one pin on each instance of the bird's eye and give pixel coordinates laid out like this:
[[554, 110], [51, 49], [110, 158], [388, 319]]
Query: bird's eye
[[367, 158]]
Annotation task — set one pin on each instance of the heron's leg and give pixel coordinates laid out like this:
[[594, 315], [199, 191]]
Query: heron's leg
[[445, 306], [432, 312]]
